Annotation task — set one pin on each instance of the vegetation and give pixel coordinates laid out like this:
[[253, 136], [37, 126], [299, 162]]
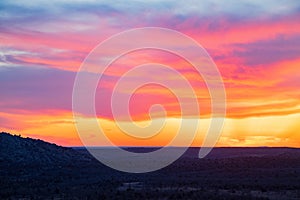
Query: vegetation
[[33, 169]]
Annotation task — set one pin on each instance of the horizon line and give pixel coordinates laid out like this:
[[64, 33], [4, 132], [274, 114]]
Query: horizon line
[[181, 147]]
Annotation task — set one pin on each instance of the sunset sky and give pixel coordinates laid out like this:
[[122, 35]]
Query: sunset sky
[[255, 45]]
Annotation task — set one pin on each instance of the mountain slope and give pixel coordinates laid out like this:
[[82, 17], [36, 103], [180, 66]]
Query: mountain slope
[[16, 150]]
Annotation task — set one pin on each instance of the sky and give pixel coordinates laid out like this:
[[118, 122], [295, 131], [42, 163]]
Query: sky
[[255, 45]]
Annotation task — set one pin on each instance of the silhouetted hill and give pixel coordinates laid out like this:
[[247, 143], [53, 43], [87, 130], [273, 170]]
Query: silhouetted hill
[[34, 169], [16, 150]]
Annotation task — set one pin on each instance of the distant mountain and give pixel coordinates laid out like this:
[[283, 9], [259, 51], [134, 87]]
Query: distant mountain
[[242, 152]]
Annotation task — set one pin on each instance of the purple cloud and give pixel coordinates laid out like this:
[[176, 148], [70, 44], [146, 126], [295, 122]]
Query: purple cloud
[[264, 52]]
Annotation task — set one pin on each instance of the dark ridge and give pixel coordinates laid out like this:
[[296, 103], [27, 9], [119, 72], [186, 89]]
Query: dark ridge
[[236, 152], [219, 152], [16, 150]]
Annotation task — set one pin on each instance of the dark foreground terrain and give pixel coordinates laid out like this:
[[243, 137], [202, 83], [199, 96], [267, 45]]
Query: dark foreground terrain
[[33, 169]]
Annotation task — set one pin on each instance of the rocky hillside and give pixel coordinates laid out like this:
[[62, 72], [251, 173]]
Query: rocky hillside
[[16, 150], [34, 169]]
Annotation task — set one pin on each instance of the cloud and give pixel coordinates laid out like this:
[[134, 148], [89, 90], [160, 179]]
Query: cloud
[[241, 8], [7, 123], [264, 52], [35, 89], [83, 15]]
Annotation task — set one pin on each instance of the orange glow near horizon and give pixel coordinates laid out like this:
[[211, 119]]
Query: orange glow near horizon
[[272, 131]]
